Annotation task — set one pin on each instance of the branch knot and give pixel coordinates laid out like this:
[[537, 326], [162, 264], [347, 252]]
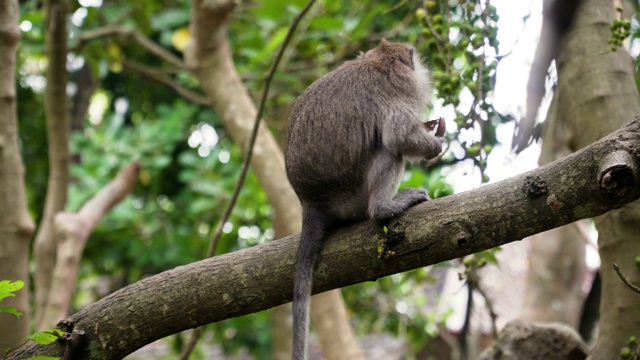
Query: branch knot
[[534, 186], [617, 174]]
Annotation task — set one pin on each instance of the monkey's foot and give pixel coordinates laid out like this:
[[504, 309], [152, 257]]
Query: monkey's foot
[[402, 201], [410, 196]]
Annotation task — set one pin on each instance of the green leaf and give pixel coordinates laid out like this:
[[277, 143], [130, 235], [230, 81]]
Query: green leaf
[[7, 288], [327, 23], [46, 337], [44, 358], [489, 255], [6, 294], [10, 310]]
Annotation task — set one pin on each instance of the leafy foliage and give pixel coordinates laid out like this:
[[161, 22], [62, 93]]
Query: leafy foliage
[[189, 163], [397, 304], [8, 289], [462, 43]]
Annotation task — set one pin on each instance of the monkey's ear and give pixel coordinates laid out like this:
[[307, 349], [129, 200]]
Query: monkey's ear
[[384, 42]]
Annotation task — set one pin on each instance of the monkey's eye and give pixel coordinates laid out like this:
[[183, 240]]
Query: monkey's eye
[[411, 51]]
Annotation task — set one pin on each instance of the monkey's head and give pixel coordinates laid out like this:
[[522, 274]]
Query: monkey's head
[[402, 58]]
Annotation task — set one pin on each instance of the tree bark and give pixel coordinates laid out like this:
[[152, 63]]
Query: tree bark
[[58, 129], [210, 60], [590, 182], [72, 232], [597, 85], [16, 225]]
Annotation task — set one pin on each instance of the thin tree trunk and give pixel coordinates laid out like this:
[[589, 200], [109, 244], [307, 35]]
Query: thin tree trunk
[[327, 313], [59, 157], [211, 62], [557, 271], [596, 92], [16, 226]]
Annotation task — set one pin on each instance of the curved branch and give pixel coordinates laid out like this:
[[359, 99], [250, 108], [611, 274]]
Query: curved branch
[[162, 78], [625, 280], [260, 277], [72, 233], [126, 34]]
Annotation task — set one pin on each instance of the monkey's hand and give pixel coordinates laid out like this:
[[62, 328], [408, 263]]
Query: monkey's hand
[[440, 123]]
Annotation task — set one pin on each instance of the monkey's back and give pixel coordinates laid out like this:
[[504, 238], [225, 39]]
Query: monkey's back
[[335, 128]]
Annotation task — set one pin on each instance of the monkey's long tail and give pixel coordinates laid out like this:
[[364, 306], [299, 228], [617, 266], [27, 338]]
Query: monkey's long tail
[[314, 227]]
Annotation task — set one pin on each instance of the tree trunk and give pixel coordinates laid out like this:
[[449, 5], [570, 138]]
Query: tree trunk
[[16, 226], [327, 313], [210, 60], [59, 157], [596, 91]]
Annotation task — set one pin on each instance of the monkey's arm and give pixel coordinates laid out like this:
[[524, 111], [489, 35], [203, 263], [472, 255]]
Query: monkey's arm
[[407, 136]]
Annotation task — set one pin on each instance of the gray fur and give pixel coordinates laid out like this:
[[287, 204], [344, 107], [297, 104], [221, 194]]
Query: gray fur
[[349, 135]]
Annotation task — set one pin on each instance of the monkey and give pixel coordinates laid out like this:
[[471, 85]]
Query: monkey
[[348, 137]]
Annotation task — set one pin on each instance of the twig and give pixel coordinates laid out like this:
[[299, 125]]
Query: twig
[[215, 239], [464, 332], [395, 7], [191, 345], [128, 33], [160, 76], [474, 280], [400, 26], [492, 313], [624, 279]]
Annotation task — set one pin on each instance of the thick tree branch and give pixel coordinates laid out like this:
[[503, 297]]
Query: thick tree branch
[[261, 277], [72, 233]]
